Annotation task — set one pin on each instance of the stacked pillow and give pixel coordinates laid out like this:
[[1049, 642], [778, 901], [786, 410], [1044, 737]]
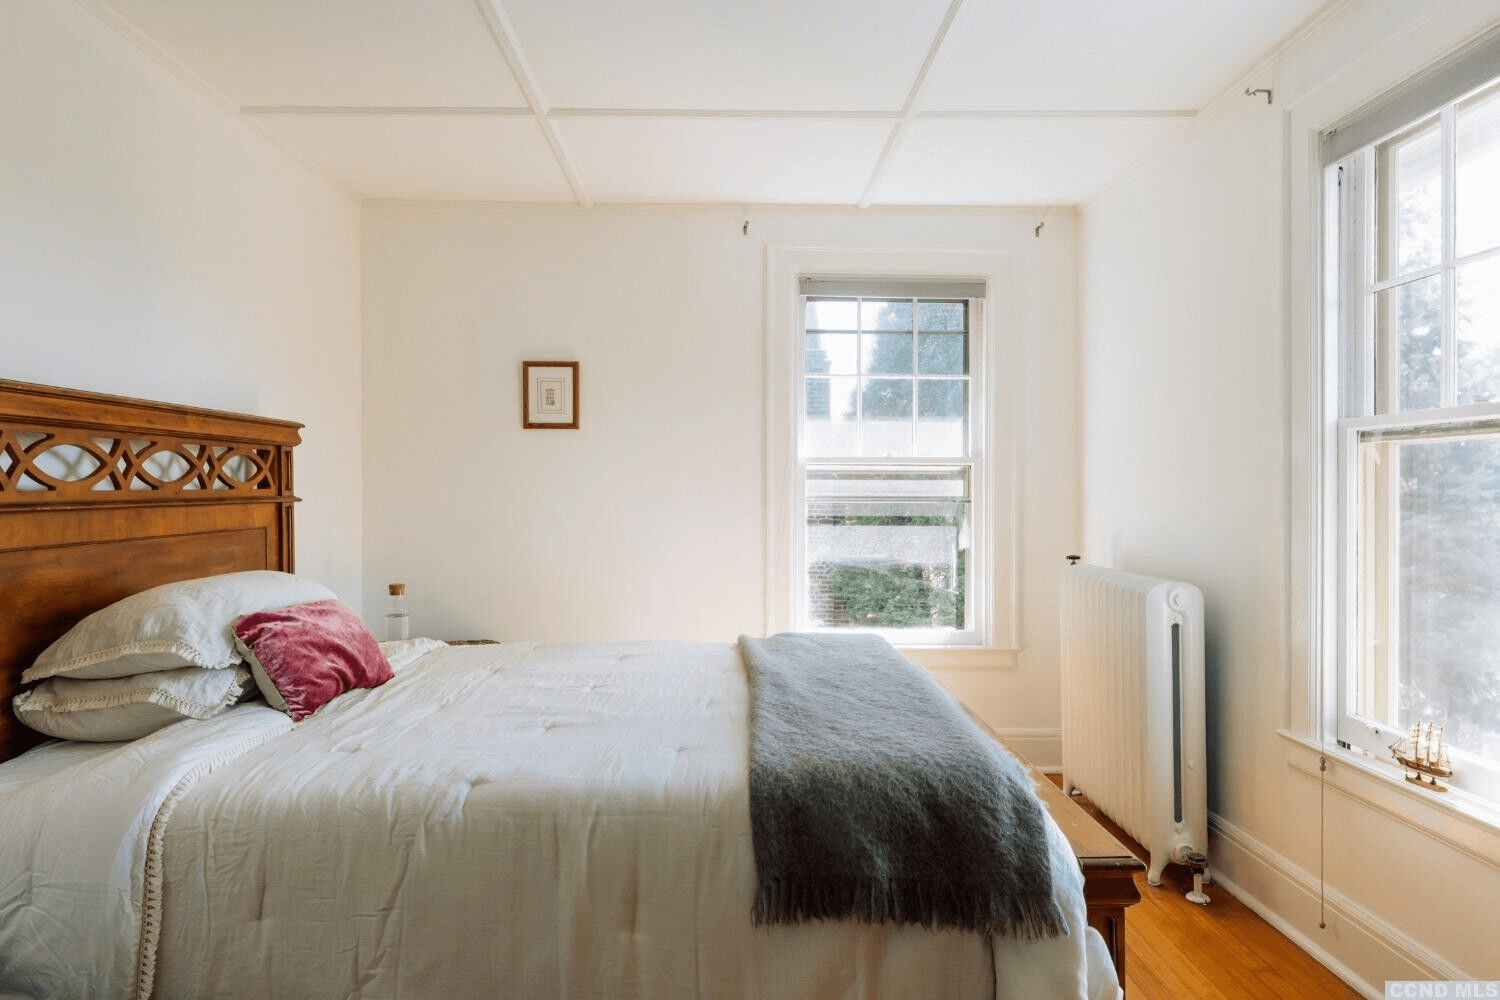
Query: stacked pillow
[[172, 652], [125, 708]]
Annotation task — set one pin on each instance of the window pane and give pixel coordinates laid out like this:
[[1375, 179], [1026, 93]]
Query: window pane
[[1443, 549], [830, 426], [942, 354], [1479, 331], [886, 353], [946, 316], [1408, 331], [882, 314], [887, 550], [832, 353], [1410, 170], [942, 412], [886, 431], [1477, 187], [831, 314]]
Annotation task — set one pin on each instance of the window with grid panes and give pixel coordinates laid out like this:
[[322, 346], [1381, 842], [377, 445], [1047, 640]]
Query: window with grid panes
[[889, 458], [1415, 294]]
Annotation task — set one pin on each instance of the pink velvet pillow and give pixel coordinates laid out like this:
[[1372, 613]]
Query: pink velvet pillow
[[305, 656]]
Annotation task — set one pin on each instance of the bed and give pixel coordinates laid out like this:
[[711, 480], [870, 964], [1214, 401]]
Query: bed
[[496, 820]]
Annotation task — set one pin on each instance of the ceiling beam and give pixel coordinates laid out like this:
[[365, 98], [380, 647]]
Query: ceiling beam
[[908, 110], [378, 111], [975, 114], [504, 34]]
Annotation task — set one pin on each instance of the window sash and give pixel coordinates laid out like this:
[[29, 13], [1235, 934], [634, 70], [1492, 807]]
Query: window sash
[[1369, 400], [1370, 624], [971, 460], [858, 497]]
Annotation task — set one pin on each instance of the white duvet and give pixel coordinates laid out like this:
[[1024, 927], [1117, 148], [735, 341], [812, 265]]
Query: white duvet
[[497, 821]]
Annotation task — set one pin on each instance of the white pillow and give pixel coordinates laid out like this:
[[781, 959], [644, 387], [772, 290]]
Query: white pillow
[[185, 624], [126, 708]]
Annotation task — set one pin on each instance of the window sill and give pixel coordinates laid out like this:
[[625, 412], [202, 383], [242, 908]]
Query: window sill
[[1458, 819], [963, 657]]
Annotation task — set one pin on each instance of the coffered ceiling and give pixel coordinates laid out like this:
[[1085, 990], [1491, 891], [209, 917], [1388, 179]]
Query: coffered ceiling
[[827, 102]]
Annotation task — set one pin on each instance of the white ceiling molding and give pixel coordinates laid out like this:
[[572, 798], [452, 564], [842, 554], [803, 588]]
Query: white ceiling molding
[[1004, 115], [903, 102], [705, 113], [726, 113], [839, 55], [898, 133], [510, 47], [371, 111]]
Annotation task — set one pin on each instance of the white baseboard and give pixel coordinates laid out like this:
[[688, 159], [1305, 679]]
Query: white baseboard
[[1041, 748], [1286, 897]]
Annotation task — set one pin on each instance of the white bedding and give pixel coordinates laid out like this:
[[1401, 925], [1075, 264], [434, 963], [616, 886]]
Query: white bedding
[[76, 835], [508, 821]]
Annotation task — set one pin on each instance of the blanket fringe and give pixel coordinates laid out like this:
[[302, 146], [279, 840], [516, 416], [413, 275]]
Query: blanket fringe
[[969, 908]]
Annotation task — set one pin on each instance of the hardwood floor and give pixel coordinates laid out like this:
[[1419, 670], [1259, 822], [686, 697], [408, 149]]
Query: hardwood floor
[[1177, 950]]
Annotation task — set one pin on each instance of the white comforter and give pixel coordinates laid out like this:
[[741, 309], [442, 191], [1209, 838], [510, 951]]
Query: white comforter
[[497, 821]]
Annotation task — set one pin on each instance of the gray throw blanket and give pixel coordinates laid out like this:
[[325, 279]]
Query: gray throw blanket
[[873, 796]]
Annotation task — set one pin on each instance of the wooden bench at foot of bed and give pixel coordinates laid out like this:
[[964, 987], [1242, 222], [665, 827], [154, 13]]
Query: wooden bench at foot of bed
[[1108, 866], [1108, 869]]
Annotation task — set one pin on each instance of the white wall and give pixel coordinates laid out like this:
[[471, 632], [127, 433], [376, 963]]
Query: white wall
[[649, 521], [1187, 388], [152, 246]]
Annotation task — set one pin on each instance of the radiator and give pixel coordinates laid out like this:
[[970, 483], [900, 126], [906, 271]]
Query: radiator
[[1132, 707]]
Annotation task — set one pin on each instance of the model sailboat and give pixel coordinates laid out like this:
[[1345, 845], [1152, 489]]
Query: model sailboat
[[1423, 752]]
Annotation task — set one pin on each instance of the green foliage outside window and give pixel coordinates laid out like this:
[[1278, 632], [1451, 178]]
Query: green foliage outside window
[[896, 596]]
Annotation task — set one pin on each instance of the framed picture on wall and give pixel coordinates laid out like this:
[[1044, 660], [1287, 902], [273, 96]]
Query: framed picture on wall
[[549, 395]]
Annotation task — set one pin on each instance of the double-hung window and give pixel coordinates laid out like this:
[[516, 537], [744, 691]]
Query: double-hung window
[[890, 458], [1414, 300]]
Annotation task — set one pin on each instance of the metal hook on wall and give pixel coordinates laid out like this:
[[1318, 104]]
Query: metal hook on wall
[[1262, 90]]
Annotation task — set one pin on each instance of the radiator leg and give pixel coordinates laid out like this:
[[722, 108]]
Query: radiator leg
[[1198, 864], [1158, 864]]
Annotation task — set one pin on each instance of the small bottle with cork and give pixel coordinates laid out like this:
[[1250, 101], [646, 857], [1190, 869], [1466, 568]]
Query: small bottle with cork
[[397, 622]]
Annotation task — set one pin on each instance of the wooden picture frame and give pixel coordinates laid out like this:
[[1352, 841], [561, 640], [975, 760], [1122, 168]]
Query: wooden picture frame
[[549, 395]]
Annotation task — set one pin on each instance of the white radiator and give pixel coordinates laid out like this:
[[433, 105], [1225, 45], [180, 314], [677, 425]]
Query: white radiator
[[1132, 707]]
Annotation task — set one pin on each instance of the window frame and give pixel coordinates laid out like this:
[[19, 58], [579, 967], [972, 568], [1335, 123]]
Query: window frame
[[995, 405], [1352, 234], [974, 461]]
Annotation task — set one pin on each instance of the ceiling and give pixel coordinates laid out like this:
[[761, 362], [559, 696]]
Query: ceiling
[[826, 102]]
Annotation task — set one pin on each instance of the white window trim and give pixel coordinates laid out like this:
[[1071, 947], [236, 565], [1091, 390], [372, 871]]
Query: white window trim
[[1312, 373], [996, 527]]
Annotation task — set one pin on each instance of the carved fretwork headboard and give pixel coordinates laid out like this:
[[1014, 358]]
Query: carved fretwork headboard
[[103, 496]]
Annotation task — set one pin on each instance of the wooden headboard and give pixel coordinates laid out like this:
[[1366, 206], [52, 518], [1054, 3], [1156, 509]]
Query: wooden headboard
[[103, 496]]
